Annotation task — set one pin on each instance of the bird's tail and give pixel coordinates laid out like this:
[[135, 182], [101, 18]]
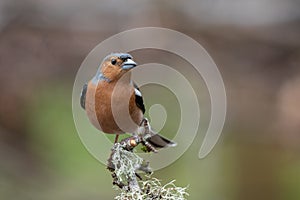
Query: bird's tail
[[158, 141], [154, 139]]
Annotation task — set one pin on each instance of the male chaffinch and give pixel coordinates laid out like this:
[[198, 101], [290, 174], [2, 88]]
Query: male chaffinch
[[114, 104]]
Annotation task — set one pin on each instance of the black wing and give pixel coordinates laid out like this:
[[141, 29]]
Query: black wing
[[138, 98], [83, 95]]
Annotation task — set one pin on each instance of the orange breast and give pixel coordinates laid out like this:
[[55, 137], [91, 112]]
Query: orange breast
[[112, 109]]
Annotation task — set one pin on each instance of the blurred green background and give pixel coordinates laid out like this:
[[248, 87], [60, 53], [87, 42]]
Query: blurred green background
[[256, 45]]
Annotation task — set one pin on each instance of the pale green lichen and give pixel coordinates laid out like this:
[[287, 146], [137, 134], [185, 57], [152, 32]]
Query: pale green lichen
[[126, 164], [153, 189]]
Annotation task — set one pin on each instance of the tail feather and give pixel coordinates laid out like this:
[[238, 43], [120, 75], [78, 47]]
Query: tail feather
[[159, 141]]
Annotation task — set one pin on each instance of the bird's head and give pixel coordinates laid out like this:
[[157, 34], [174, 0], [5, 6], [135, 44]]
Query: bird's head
[[116, 64]]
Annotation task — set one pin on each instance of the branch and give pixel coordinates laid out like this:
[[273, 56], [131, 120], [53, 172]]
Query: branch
[[124, 165]]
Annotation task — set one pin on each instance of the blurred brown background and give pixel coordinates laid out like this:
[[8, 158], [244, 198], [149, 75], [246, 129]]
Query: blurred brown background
[[256, 45]]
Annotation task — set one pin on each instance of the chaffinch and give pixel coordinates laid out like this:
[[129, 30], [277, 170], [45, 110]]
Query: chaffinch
[[113, 102]]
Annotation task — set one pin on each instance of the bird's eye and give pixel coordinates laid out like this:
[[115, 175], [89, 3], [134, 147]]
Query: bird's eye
[[113, 61]]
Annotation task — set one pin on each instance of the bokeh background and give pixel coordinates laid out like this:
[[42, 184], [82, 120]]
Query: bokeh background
[[256, 45]]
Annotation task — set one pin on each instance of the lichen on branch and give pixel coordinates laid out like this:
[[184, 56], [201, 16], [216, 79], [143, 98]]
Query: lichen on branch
[[125, 164]]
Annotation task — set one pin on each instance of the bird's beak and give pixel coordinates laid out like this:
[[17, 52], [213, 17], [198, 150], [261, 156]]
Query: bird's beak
[[128, 64]]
